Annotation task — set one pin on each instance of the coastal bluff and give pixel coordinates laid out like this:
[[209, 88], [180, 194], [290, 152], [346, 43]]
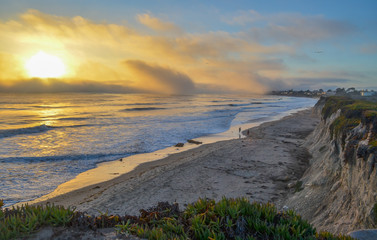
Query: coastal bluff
[[339, 189]]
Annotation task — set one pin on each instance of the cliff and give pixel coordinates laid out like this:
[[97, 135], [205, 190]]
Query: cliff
[[339, 189]]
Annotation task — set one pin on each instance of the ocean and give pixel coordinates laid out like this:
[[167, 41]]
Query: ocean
[[48, 139]]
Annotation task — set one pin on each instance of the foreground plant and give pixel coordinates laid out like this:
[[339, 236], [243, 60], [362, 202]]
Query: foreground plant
[[226, 219], [21, 221], [204, 219]]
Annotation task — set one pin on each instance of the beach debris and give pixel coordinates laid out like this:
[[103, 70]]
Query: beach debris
[[194, 142], [179, 145]]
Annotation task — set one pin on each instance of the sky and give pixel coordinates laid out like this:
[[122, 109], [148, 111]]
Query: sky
[[186, 47]]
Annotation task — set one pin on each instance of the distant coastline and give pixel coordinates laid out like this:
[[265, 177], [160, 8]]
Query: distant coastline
[[350, 92]]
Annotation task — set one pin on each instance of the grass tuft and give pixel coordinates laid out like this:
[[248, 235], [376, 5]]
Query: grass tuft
[[298, 186]]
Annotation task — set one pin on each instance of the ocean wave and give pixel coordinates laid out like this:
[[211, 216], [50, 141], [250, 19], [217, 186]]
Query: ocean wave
[[227, 100], [37, 129], [239, 105], [74, 119], [216, 111], [259, 119], [251, 108], [12, 108], [146, 103], [230, 105], [80, 125], [50, 107], [201, 119], [134, 104], [20, 131], [274, 106], [96, 158], [141, 109]]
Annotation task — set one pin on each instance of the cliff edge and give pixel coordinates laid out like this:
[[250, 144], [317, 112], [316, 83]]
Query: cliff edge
[[339, 189]]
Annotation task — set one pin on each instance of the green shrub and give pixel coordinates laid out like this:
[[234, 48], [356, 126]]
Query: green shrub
[[204, 219], [373, 143], [353, 112], [332, 104], [226, 219], [298, 186], [343, 124]]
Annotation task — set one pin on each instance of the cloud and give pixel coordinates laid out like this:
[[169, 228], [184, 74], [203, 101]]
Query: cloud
[[10, 67], [76, 37], [316, 83], [160, 79], [36, 85], [326, 79], [290, 27], [244, 18], [72, 29], [333, 74], [97, 71], [302, 30], [369, 48], [157, 24]]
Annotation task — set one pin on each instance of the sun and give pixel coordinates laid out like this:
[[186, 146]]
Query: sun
[[43, 65]]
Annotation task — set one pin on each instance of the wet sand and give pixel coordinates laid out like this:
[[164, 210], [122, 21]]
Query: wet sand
[[259, 167]]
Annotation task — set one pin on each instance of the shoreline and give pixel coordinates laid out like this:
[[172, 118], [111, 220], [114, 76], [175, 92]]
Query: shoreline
[[210, 170], [110, 170]]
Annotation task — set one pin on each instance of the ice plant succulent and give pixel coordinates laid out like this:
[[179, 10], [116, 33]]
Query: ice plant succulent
[[204, 219]]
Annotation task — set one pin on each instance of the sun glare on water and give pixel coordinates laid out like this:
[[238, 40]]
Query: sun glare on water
[[44, 65]]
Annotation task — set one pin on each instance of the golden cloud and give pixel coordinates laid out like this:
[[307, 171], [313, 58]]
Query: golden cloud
[[160, 79], [126, 56], [157, 24], [11, 67]]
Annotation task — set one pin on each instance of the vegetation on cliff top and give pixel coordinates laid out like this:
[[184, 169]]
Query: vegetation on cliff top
[[204, 219], [353, 112]]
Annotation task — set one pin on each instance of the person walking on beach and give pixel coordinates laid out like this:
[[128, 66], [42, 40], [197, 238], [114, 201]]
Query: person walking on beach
[[239, 132]]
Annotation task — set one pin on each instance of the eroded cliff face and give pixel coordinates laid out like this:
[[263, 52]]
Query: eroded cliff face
[[340, 187]]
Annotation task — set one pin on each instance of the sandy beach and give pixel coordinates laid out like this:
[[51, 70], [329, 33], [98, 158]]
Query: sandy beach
[[263, 167]]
